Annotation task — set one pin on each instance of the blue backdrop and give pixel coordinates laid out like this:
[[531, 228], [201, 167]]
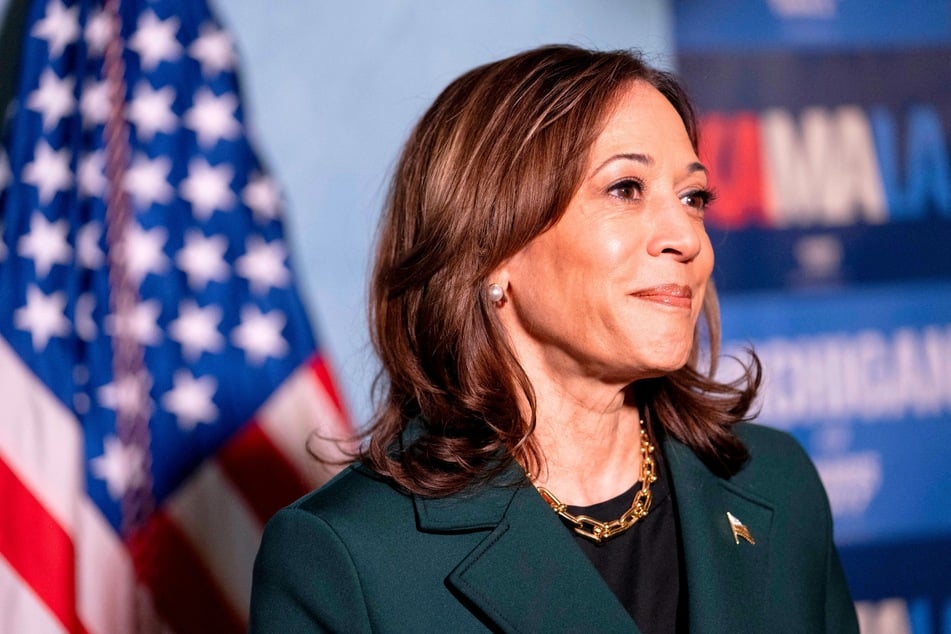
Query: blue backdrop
[[827, 126]]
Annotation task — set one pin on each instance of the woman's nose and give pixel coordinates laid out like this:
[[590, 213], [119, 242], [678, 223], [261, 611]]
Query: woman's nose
[[676, 231]]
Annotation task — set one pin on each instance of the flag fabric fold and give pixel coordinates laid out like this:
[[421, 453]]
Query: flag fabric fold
[[160, 379]]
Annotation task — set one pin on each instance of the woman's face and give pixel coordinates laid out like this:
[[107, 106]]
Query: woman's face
[[613, 290]]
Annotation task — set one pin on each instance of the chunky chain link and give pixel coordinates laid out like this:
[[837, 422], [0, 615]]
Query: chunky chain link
[[599, 531]]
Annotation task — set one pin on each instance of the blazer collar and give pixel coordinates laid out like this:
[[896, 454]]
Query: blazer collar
[[526, 575], [726, 575], [482, 507]]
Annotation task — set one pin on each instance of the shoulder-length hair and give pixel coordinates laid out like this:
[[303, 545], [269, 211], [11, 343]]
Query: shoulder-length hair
[[492, 164]]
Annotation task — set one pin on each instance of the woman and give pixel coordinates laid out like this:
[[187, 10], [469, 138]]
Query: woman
[[548, 454]]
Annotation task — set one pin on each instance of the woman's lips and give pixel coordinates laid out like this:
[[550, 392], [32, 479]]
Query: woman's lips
[[674, 295]]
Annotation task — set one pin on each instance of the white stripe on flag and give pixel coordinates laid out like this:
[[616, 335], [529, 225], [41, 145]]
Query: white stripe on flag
[[290, 416], [20, 609], [105, 579], [222, 529], [39, 439]]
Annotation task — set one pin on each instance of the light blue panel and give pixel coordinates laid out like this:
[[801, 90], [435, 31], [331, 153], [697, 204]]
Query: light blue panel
[[334, 88]]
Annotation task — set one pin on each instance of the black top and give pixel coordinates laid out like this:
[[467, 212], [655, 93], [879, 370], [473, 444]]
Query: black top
[[642, 565]]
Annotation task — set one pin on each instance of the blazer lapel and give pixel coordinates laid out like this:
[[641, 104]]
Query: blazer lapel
[[527, 575], [726, 574]]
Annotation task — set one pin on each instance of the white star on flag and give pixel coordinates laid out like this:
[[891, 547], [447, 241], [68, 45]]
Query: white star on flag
[[190, 399], [94, 103], [141, 323], [143, 250], [49, 171], [202, 258], [121, 466], [213, 49], [151, 110], [46, 243], [91, 174], [208, 188], [147, 181], [130, 394], [196, 329], [259, 334], [53, 99], [88, 253], [212, 117], [263, 196], [263, 265], [98, 32], [155, 40], [60, 27], [43, 316]]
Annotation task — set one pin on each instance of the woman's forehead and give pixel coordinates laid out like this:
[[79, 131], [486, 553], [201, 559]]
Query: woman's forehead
[[642, 124]]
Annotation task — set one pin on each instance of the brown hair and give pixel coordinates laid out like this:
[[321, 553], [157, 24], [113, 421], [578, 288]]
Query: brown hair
[[492, 164]]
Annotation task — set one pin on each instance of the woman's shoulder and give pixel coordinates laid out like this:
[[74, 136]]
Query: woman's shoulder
[[764, 440], [356, 494], [777, 460]]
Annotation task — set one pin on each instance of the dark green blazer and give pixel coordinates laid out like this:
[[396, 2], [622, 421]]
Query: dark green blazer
[[359, 556]]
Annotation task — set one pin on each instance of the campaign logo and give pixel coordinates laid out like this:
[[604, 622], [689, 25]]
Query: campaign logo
[[826, 167]]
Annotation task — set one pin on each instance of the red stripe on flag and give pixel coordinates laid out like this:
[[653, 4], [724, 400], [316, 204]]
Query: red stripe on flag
[[259, 470], [38, 548], [184, 594], [326, 382]]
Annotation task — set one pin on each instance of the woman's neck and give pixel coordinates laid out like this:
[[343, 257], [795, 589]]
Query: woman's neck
[[589, 438]]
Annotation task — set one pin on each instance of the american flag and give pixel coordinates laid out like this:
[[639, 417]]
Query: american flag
[[159, 379]]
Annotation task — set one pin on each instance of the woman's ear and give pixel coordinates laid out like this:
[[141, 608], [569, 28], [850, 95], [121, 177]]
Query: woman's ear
[[502, 273]]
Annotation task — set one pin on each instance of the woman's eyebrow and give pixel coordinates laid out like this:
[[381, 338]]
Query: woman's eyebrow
[[697, 166], [646, 159], [637, 157]]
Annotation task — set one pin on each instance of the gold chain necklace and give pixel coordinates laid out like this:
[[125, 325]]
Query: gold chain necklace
[[599, 531]]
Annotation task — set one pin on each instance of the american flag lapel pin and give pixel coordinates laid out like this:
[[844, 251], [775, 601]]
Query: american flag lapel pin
[[739, 530]]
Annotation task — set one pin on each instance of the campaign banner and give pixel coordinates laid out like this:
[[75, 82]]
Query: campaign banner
[[862, 377], [833, 169], [826, 125]]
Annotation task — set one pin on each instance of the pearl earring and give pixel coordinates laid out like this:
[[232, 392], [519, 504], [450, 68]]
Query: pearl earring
[[496, 294]]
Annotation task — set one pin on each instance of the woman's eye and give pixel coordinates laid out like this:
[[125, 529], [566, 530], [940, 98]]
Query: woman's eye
[[627, 189], [698, 199]]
